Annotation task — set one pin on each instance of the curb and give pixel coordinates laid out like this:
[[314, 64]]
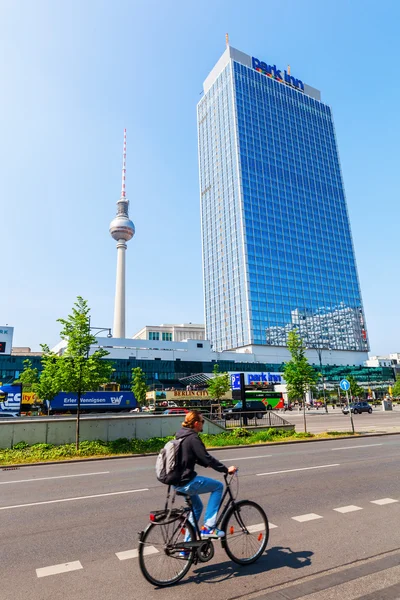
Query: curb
[[214, 449]]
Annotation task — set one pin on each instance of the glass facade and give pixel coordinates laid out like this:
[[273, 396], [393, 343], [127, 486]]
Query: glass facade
[[277, 245], [169, 372]]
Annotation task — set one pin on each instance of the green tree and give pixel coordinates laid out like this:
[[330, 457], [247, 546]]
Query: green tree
[[50, 377], [78, 370], [299, 375], [356, 391], [139, 387], [396, 388], [29, 377], [219, 385]]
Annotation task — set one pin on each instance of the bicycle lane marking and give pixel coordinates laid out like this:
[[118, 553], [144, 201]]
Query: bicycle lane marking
[[126, 554], [71, 499], [57, 569], [300, 469], [260, 527]]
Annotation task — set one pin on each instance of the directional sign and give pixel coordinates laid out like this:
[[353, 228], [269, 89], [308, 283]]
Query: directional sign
[[345, 385]]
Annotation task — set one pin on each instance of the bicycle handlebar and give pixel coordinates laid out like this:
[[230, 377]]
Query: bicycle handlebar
[[226, 475]]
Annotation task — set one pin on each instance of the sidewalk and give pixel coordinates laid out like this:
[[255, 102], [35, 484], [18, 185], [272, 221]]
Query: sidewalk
[[376, 578]]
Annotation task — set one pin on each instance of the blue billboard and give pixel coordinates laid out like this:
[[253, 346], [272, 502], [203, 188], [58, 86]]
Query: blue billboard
[[10, 399], [250, 378], [91, 400]]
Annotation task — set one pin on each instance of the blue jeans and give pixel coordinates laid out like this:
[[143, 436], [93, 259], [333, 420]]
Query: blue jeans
[[204, 485]]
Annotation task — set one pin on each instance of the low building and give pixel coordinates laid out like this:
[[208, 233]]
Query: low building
[[381, 361], [171, 333], [24, 351], [6, 338], [165, 363]]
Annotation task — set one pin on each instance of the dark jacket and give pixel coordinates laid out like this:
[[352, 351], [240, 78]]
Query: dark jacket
[[192, 452]]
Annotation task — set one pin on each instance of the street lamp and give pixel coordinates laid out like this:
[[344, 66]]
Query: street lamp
[[319, 352], [101, 329]]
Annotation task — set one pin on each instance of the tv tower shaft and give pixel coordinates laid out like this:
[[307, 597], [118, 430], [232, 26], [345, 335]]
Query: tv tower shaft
[[122, 230]]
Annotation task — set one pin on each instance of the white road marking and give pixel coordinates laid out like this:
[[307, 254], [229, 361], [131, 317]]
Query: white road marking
[[56, 569], [383, 501], [71, 499], [347, 509], [135, 553], [302, 469], [56, 477], [245, 457], [259, 527], [309, 517], [351, 447]]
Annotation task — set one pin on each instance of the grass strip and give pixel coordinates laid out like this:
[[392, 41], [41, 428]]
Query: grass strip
[[22, 453]]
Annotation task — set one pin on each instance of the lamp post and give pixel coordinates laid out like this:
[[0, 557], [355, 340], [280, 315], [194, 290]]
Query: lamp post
[[101, 329], [319, 352]]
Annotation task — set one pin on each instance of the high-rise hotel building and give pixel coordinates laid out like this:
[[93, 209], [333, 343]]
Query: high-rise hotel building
[[277, 245]]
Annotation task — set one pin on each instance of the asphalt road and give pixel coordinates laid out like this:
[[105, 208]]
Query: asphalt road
[[319, 421], [81, 516]]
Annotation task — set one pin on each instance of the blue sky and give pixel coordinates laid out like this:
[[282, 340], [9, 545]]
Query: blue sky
[[74, 74]]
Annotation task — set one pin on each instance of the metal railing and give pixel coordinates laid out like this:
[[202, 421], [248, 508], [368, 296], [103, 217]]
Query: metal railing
[[230, 420]]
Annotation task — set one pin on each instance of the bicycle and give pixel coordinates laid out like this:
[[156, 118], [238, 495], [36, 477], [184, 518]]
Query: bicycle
[[170, 544]]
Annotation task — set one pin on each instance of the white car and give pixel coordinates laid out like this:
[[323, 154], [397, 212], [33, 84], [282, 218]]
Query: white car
[[8, 414]]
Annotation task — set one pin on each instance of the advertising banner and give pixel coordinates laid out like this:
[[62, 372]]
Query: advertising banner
[[93, 400], [10, 397], [249, 378], [180, 395]]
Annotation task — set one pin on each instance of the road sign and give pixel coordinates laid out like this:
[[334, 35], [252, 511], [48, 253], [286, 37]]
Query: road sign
[[344, 385]]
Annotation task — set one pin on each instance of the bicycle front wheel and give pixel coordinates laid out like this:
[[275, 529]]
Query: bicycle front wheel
[[246, 532], [162, 558]]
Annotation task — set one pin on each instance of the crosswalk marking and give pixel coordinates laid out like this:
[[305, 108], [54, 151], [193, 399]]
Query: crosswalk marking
[[56, 569], [383, 501], [308, 517], [135, 553], [347, 509]]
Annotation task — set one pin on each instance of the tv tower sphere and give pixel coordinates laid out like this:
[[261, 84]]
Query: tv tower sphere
[[122, 230]]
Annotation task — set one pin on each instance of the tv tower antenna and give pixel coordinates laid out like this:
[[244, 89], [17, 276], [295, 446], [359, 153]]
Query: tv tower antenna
[[122, 230]]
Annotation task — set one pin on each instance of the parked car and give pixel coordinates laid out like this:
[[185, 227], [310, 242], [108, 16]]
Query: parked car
[[175, 411], [358, 408], [8, 414], [256, 409]]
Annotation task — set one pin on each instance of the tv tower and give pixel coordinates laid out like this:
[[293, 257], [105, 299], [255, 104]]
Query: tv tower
[[122, 230]]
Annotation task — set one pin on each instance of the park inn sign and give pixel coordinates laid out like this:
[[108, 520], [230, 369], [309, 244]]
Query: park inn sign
[[259, 377]]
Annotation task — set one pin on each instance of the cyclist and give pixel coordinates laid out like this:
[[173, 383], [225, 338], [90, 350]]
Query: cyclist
[[194, 452]]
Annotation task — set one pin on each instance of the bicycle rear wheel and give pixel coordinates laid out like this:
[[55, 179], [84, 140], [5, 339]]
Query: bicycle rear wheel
[[162, 558], [246, 532]]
